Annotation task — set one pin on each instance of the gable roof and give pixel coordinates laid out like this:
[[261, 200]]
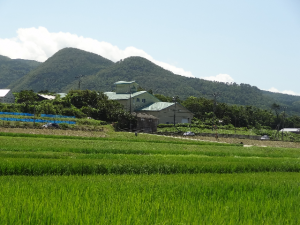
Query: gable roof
[[4, 92], [114, 96], [49, 97], [157, 106]]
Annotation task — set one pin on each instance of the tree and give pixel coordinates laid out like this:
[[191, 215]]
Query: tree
[[276, 109], [26, 96]]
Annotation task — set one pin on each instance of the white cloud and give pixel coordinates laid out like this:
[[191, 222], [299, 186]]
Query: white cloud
[[39, 44], [283, 92], [221, 78]]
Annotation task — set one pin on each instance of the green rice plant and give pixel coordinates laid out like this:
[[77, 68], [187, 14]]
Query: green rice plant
[[143, 164], [139, 147], [261, 198], [122, 138]]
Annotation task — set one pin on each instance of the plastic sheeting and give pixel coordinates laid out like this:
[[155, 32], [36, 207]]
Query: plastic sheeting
[[16, 114], [36, 120]]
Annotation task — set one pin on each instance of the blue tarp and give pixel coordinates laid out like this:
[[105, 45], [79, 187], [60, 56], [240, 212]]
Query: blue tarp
[[37, 120], [42, 115], [16, 113]]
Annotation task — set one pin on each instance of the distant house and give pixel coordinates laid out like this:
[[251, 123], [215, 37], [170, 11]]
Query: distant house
[[143, 102], [292, 130], [6, 96]]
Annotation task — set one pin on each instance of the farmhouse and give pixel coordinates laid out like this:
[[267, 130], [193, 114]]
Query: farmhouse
[[6, 96], [143, 102]]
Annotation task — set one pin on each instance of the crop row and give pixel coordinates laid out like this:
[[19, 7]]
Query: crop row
[[139, 147], [131, 138], [134, 164], [271, 198]]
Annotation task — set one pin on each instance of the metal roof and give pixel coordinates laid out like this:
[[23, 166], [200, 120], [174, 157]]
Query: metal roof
[[49, 97], [296, 130], [125, 82], [4, 92], [157, 106], [114, 96]]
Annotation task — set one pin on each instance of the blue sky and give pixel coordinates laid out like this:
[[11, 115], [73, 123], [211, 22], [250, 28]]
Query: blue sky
[[253, 42]]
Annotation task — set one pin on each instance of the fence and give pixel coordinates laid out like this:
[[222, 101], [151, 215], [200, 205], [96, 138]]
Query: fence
[[36, 120]]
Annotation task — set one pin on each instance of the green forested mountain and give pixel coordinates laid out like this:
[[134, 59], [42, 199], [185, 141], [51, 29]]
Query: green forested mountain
[[58, 74], [60, 70], [13, 69]]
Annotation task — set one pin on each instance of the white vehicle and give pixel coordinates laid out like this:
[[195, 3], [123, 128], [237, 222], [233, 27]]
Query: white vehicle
[[189, 133], [48, 125], [265, 137]]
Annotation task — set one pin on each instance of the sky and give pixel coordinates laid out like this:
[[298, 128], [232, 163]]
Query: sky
[[252, 42]]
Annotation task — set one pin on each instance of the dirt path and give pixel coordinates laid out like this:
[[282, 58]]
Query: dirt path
[[248, 142]]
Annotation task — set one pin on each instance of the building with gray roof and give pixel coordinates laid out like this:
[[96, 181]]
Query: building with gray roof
[[6, 96], [141, 101]]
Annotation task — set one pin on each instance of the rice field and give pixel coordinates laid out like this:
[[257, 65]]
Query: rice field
[[255, 198], [118, 178]]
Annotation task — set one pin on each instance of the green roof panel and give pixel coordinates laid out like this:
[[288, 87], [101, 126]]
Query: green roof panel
[[157, 106], [114, 96]]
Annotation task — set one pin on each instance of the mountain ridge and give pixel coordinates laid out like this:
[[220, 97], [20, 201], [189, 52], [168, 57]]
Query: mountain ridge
[[13, 69], [59, 72]]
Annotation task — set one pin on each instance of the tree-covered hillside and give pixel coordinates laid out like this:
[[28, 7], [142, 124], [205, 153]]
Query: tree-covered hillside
[[60, 71], [159, 80], [58, 74], [13, 69]]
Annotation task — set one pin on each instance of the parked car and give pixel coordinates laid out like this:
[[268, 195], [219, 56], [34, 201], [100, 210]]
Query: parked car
[[50, 125], [189, 133], [265, 137]]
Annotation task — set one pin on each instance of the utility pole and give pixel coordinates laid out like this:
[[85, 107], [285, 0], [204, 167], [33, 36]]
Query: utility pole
[[174, 100], [34, 115], [284, 108], [130, 125], [130, 98], [235, 124], [215, 95], [79, 81]]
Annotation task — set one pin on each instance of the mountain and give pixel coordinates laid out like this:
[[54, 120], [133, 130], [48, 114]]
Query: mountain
[[58, 74], [61, 70], [13, 69], [159, 80]]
